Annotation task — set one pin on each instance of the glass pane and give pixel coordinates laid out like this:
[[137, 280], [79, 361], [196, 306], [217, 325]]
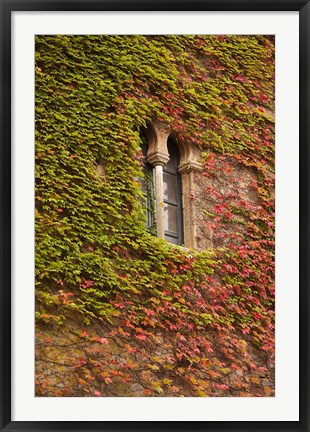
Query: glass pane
[[174, 156], [171, 164], [170, 239], [170, 218], [170, 186], [143, 186]]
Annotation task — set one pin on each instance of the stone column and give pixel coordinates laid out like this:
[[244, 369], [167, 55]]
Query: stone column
[[158, 160], [159, 201], [187, 172]]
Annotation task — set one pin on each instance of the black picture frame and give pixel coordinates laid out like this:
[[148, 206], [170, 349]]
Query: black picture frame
[[7, 7]]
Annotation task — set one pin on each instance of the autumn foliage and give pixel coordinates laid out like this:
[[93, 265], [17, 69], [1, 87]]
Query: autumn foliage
[[120, 312]]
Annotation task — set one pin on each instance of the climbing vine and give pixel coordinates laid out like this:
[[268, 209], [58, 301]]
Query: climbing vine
[[139, 316]]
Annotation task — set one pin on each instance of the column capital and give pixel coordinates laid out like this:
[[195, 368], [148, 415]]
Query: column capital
[[190, 166], [158, 158]]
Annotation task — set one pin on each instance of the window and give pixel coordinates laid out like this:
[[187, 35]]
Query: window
[[173, 218], [169, 182]]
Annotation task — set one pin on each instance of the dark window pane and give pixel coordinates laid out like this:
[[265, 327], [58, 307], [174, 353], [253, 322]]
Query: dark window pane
[[172, 196], [171, 164], [150, 199], [170, 239], [170, 218], [170, 187], [147, 186], [174, 155]]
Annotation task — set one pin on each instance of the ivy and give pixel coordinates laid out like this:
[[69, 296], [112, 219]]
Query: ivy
[[208, 315]]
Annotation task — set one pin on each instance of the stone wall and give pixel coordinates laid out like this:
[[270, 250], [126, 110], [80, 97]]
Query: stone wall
[[216, 194], [77, 361]]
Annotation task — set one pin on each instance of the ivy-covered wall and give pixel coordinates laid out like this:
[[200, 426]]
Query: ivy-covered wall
[[120, 312]]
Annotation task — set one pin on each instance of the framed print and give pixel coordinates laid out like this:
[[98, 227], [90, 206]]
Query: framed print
[[154, 260]]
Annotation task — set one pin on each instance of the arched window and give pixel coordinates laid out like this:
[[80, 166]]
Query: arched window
[[172, 191], [170, 164], [162, 188]]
